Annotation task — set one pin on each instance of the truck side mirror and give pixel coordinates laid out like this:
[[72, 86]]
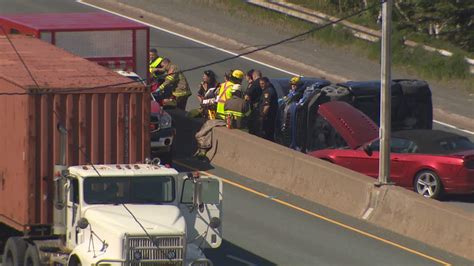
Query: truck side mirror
[[201, 202], [197, 192], [210, 191], [59, 187]]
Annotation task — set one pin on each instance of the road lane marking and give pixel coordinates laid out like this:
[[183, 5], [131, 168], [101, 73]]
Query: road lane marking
[[241, 260], [227, 51], [189, 38], [348, 227], [454, 127]]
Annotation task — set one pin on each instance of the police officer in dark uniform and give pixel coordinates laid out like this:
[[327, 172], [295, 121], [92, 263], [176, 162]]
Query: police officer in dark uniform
[[252, 95], [267, 109]]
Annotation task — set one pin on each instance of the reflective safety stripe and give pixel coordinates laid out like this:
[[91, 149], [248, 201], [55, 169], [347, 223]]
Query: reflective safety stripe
[[156, 62], [223, 94], [220, 116], [181, 93], [169, 102], [170, 78], [234, 113]]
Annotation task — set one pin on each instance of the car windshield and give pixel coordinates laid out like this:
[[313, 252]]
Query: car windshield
[[456, 144], [324, 136], [135, 189]]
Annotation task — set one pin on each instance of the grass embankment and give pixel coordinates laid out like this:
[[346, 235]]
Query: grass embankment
[[422, 63]]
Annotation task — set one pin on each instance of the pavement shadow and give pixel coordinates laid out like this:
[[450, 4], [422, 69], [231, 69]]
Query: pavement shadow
[[185, 144], [469, 198], [188, 164], [231, 254]]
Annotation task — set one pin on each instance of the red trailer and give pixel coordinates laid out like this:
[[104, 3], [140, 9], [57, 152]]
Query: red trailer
[[105, 124], [110, 40]]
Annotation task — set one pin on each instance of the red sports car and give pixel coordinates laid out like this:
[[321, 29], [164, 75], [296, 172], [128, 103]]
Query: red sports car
[[431, 162]]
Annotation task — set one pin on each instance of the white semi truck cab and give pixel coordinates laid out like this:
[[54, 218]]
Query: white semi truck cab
[[133, 214]]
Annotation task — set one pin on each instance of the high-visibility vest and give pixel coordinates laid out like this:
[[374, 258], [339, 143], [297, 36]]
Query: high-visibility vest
[[225, 93], [154, 64]]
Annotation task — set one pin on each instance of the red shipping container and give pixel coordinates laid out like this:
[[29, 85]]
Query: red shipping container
[[112, 41], [105, 124]]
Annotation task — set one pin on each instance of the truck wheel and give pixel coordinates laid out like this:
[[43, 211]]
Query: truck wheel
[[14, 252], [74, 261], [32, 256]]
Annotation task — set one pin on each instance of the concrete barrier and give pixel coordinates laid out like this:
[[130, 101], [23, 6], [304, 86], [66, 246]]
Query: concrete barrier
[[292, 171], [393, 208], [429, 221]]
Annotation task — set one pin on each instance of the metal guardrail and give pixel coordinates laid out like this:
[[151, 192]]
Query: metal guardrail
[[358, 31]]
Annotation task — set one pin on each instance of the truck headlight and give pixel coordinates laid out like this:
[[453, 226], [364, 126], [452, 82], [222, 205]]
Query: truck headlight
[[165, 120]]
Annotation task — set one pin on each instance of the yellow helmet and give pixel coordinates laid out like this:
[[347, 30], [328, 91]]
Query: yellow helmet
[[295, 80], [238, 74]]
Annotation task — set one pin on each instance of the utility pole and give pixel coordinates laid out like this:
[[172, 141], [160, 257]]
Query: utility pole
[[385, 95]]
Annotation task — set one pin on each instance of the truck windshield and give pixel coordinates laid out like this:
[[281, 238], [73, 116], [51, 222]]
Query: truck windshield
[[138, 190]]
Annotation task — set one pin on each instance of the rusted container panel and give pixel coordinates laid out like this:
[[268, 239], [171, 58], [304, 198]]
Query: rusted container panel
[[105, 124]]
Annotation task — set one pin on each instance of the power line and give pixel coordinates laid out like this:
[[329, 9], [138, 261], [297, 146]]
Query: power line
[[123, 204], [263, 47], [70, 90], [282, 41], [19, 56]]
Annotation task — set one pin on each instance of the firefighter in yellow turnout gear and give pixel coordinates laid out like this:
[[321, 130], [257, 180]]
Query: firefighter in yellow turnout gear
[[237, 109], [175, 84], [225, 91]]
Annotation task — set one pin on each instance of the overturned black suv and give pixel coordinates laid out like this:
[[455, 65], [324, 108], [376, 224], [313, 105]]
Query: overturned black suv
[[297, 124]]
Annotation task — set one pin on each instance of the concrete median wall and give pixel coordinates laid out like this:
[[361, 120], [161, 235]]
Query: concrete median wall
[[291, 171], [391, 207], [428, 221]]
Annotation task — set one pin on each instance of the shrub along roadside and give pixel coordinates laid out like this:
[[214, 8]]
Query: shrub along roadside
[[443, 24], [424, 64]]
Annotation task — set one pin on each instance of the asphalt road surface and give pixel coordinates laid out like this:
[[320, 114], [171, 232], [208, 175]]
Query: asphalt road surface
[[258, 230]]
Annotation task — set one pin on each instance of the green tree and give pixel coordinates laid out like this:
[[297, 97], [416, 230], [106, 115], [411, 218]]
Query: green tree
[[451, 20]]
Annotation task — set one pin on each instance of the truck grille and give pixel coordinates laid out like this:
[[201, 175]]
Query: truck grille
[[142, 252]]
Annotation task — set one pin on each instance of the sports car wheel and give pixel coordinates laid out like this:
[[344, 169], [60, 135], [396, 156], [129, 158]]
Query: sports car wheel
[[428, 184]]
